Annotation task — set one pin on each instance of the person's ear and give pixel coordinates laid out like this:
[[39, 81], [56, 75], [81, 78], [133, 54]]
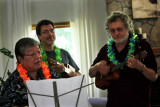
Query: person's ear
[[20, 59], [39, 37]]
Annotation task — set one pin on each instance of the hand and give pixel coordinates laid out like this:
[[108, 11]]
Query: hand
[[103, 68], [134, 63], [72, 74], [58, 68]]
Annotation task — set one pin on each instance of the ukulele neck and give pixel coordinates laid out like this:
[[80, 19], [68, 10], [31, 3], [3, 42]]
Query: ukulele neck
[[118, 66]]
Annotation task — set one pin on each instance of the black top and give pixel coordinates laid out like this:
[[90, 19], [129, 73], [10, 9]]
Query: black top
[[66, 58], [132, 89], [14, 90]]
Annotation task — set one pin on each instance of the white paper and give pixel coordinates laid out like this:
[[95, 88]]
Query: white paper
[[45, 87]]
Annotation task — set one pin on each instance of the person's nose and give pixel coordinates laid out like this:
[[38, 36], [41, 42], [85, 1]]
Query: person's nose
[[116, 32], [50, 33], [37, 55]]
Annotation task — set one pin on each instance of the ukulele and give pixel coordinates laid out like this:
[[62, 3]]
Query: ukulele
[[61, 68], [103, 82]]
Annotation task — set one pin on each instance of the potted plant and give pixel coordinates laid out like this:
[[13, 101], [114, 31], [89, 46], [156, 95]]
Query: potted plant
[[7, 53]]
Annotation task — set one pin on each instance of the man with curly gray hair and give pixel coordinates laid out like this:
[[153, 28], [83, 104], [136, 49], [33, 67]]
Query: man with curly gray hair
[[125, 65], [128, 23]]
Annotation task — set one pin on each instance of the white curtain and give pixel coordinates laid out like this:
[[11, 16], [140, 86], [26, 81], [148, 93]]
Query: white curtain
[[86, 28], [22, 19], [16, 22], [1, 58]]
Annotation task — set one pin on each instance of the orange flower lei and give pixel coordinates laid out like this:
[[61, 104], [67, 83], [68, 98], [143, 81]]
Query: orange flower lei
[[25, 77]]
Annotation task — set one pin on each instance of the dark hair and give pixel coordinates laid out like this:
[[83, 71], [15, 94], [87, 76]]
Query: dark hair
[[42, 22], [22, 45], [123, 17]]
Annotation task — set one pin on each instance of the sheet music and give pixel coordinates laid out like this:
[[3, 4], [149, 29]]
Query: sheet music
[[45, 87]]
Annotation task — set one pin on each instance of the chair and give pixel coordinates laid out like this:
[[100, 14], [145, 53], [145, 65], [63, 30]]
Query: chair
[[98, 102]]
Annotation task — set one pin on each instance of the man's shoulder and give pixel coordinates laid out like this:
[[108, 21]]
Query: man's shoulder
[[64, 51], [14, 76], [144, 42], [104, 47]]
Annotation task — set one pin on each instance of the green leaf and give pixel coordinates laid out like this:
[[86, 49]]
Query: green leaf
[[8, 73], [2, 81], [6, 52]]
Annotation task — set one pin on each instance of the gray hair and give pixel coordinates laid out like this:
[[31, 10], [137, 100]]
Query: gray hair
[[22, 45], [123, 17]]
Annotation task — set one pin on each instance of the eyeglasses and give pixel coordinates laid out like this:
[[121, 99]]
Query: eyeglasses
[[33, 55], [119, 29], [47, 31]]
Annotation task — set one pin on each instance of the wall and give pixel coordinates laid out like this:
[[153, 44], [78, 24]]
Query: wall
[[149, 25], [55, 10]]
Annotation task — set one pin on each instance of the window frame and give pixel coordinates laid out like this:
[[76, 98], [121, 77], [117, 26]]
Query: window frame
[[56, 25]]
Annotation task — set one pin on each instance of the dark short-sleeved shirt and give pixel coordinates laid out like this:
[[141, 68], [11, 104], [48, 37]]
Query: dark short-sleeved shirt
[[132, 89], [66, 58], [14, 91]]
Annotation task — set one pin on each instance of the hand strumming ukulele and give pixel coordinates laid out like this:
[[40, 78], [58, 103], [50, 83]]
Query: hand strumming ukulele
[[103, 82]]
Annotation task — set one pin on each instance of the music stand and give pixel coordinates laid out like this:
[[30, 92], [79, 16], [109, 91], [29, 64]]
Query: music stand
[[56, 96]]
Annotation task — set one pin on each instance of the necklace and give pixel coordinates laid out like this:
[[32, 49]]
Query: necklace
[[56, 51], [25, 77], [111, 51]]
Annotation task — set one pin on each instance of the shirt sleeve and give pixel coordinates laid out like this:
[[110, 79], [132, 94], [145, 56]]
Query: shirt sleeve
[[149, 60], [13, 92], [102, 55], [67, 59]]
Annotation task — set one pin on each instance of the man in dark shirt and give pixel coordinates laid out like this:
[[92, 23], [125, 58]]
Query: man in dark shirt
[[46, 35], [125, 66], [29, 67]]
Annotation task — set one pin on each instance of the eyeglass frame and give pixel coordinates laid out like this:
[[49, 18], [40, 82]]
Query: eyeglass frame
[[34, 54], [118, 29], [47, 31]]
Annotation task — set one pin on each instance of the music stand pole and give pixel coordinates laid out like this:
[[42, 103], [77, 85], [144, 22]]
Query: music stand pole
[[56, 100]]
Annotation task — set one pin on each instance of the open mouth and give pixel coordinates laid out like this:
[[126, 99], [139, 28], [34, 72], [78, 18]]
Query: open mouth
[[37, 63]]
